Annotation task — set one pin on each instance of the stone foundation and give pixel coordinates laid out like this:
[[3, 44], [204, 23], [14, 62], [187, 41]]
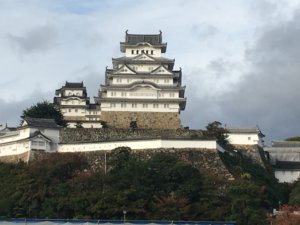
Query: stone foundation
[[207, 161], [154, 120], [24, 157]]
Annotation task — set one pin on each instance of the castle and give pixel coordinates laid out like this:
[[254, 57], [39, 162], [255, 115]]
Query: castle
[[142, 90], [142, 87]]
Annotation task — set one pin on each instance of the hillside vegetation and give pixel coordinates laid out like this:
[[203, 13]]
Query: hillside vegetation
[[160, 188]]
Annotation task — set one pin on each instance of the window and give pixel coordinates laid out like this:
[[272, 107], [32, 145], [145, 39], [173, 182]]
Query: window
[[124, 94], [70, 110], [151, 52], [76, 110], [145, 105], [166, 105], [160, 94], [155, 106], [146, 51], [137, 51], [112, 105], [113, 93], [166, 81], [128, 80], [132, 52], [119, 80], [134, 105], [41, 143], [143, 51], [172, 95], [249, 138], [123, 105]]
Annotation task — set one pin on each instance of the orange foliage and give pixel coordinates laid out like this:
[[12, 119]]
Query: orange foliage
[[288, 215]]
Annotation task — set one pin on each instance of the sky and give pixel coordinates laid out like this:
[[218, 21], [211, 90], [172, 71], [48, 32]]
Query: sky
[[239, 58]]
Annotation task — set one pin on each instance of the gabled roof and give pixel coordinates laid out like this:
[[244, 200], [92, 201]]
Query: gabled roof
[[287, 165], [74, 84], [161, 70], [153, 39], [135, 59], [39, 134], [124, 70], [39, 122], [245, 131], [136, 39], [291, 144]]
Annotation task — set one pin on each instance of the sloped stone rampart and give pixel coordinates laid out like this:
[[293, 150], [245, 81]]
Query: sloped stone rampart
[[153, 120], [254, 152], [80, 135], [15, 158], [206, 160]]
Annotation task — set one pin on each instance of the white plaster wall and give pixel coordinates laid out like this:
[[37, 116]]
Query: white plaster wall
[[14, 148], [287, 176], [174, 107], [128, 80], [244, 139], [138, 145], [80, 112], [73, 92], [73, 101], [142, 93], [156, 51]]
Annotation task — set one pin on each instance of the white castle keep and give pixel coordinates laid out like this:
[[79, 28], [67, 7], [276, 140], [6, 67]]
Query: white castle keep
[[142, 87]]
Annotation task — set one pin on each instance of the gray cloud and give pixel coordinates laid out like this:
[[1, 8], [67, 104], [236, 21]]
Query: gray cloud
[[39, 39], [267, 95], [204, 31]]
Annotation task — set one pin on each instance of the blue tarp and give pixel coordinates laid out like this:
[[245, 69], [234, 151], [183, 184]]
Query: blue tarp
[[107, 222]]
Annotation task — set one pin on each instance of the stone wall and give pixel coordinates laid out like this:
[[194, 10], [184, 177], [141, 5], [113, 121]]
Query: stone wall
[[80, 135], [156, 120], [207, 161], [254, 152], [16, 158]]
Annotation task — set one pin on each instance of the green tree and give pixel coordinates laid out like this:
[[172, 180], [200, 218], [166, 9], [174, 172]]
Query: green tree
[[216, 130], [293, 139], [245, 202], [45, 110]]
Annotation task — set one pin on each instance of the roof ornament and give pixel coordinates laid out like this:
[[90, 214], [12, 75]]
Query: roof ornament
[[126, 35]]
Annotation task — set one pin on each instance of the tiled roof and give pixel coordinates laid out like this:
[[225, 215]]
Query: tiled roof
[[74, 85], [287, 165], [286, 144], [41, 122], [245, 131], [152, 39]]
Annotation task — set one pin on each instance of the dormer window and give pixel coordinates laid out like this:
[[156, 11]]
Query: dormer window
[[132, 52], [146, 51], [137, 51], [151, 52], [143, 51]]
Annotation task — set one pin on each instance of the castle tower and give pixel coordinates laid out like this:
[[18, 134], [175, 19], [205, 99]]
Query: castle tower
[[74, 104], [142, 86]]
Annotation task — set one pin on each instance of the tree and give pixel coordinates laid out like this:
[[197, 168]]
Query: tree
[[45, 110], [216, 130], [293, 139], [288, 215], [133, 124]]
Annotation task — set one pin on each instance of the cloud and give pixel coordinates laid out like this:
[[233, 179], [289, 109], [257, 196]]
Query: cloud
[[205, 31], [268, 95], [38, 39]]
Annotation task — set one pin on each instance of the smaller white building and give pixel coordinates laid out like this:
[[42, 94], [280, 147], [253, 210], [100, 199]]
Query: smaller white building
[[33, 134], [284, 156], [74, 104], [245, 136]]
